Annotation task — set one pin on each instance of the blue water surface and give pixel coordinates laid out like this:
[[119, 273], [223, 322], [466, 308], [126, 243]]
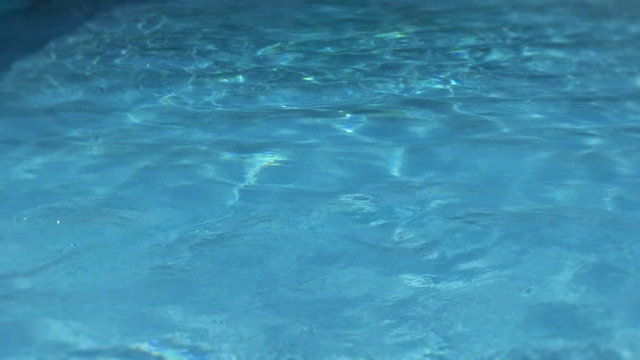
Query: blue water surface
[[325, 180]]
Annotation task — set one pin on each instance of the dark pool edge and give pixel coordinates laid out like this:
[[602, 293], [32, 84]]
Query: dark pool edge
[[28, 29]]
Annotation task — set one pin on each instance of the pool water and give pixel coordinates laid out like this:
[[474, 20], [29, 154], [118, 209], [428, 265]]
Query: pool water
[[330, 180]]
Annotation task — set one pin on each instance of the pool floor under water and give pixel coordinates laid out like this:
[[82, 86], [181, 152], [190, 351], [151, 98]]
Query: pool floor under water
[[325, 180]]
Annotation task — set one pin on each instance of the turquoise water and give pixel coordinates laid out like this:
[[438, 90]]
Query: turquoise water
[[325, 179]]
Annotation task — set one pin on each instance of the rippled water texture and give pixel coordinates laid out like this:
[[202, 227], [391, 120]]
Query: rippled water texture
[[328, 180]]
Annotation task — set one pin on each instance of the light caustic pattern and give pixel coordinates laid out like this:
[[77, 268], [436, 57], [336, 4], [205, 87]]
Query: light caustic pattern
[[255, 164], [325, 180]]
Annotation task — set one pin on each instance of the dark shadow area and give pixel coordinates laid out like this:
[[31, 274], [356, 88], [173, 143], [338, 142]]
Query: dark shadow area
[[29, 27]]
